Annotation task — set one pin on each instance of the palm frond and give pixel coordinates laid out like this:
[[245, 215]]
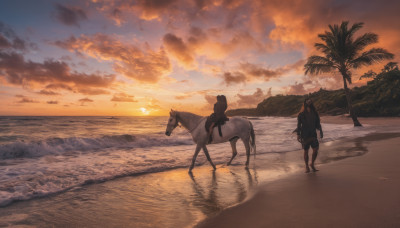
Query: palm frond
[[331, 46], [322, 47], [343, 28], [355, 27], [318, 64], [361, 42], [372, 56]]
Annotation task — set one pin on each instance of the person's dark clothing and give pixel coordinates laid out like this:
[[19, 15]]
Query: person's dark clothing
[[219, 112], [313, 142], [218, 117], [307, 124]]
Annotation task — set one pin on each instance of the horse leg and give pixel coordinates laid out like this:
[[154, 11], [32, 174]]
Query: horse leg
[[196, 152], [234, 151], [208, 157], [247, 146]]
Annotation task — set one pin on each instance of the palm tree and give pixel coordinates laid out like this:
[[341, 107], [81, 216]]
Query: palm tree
[[342, 52]]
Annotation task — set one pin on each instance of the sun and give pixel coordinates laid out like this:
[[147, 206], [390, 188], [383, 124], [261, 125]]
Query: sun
[[145, 111]]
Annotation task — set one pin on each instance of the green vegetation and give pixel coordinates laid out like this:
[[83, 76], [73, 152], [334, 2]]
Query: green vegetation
[[380, 97], [342, 52]]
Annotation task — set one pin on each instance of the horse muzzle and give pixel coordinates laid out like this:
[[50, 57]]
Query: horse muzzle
[[167, 133]]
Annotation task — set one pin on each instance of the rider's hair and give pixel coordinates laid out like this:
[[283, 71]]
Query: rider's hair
[[303, 107]]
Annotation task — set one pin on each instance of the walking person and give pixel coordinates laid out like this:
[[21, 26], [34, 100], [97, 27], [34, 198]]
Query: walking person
[[308, 122]]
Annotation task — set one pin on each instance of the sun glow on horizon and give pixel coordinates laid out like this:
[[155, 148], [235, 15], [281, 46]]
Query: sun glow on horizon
[[144, 111]]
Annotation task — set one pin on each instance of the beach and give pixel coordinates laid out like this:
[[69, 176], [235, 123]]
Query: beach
[[356, 186]]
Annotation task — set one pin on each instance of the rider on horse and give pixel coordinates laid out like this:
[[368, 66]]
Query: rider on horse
[[218, 117]]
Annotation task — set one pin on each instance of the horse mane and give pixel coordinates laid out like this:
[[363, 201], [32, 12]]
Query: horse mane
[[189, 114]]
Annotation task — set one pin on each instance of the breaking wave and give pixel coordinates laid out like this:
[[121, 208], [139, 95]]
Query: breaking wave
[[58, 146]]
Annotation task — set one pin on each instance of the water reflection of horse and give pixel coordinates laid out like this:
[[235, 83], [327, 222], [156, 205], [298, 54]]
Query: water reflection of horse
[[207, 197], [233, 130]]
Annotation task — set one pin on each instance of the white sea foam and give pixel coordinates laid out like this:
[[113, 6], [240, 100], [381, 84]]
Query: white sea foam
[[58, 146]]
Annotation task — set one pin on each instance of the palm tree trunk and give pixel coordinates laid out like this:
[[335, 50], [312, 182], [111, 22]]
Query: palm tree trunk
[[348, 97]]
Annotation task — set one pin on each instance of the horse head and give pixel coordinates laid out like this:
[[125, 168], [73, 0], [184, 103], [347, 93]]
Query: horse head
[[172, 122]]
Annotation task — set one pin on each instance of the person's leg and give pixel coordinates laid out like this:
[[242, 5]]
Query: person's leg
[[210, 130], [314, 156], [306, 159]]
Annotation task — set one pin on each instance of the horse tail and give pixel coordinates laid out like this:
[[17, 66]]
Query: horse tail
[[253, 138]]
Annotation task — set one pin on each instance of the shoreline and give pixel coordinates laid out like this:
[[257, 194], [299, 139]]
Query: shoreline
[[352, 192], [363, 120]]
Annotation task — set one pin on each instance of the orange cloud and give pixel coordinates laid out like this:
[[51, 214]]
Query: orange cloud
[[18, 71], [252, 100], [248, 72], [145, 9], [234, 78], [240, 100], [305, 87], [178, 48], [214, 44], [85, 100], [123, 97], [291, 24], [91, 91], [52, 102], [25, 99], [47, 92], [144, 66]]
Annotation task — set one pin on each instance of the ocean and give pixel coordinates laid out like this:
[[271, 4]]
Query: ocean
[[42, 156]]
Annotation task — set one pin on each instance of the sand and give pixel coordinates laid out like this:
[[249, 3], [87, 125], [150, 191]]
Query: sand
[[362, 191]]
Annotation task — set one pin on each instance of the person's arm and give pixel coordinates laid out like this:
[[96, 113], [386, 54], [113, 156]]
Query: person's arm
[[319, 127], [298, 129], [298, 124]]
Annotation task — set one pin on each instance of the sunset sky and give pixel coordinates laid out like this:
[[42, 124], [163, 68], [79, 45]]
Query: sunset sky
[[144, 57]]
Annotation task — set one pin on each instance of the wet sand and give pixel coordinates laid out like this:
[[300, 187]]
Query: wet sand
[[362, 191]]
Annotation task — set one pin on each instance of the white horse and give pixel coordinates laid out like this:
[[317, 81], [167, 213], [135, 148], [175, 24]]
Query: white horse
[[234, 129]]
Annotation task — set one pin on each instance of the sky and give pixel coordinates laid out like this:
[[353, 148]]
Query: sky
[[145, 57]]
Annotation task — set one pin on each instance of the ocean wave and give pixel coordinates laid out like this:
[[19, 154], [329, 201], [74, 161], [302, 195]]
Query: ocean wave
[[57, 146], [45, 186]]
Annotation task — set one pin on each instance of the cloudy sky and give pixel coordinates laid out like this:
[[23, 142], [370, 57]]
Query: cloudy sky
[[144, 57]]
